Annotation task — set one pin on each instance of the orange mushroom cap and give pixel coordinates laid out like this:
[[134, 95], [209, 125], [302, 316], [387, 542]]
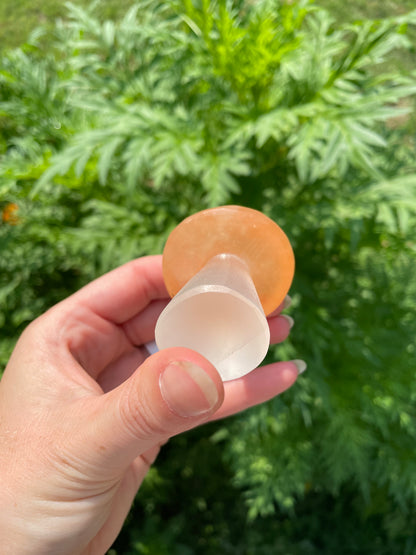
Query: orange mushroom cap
[[237, 230]]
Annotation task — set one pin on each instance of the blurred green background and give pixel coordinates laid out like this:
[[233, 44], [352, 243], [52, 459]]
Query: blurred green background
[[120, 119]]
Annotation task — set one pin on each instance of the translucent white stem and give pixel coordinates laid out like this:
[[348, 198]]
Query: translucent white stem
[[219, 315]]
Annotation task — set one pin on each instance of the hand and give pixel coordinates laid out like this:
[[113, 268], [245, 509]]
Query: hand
[[84, 410]]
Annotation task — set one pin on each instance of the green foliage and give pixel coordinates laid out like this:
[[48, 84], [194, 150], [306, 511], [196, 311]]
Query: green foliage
[[19, 18], [124, 128]]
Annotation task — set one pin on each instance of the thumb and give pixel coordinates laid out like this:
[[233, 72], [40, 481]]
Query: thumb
[[171, 392]]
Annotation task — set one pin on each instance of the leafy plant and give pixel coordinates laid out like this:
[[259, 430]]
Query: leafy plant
[[125, 127]]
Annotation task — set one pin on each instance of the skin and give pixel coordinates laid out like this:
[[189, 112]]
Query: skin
[[84, 410]]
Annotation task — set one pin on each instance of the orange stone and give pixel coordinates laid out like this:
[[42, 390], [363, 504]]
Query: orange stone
[[237, 230]]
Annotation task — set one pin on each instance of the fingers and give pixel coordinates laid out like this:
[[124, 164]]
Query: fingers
[[287, 301], [258, 386], [121, 294], [171, 392], [280, 327], [280, 324], [117, 372], [141, 328]]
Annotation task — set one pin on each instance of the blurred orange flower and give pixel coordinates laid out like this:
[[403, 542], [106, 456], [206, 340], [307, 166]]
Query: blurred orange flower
[[9, 215]]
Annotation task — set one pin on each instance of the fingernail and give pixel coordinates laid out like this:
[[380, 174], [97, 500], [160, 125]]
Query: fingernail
[[287, 301], [288, 319], [187, 389], [300, 365]]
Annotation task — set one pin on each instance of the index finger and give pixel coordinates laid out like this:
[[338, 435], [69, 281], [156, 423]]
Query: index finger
[[260, 385], [125, 291]]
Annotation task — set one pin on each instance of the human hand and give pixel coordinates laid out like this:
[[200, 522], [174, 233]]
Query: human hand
[[84, 410]]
